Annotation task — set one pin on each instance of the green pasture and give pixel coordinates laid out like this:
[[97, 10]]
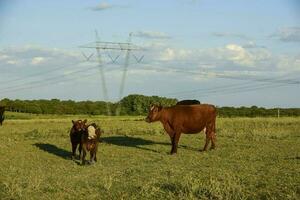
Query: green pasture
[[256, 158]]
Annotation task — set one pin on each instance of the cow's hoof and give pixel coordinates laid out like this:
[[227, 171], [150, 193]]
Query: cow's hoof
[[91, 162]]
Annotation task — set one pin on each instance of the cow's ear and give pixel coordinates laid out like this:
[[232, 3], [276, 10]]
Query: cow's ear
[[159, 107], [84, 121], [151, 107], [73, 122]]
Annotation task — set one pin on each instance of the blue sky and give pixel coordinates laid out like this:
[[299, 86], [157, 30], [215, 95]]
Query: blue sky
[[234, 53]]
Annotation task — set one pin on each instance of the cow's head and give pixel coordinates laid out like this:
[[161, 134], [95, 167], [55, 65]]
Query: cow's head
[[154, 113], [79, 125]]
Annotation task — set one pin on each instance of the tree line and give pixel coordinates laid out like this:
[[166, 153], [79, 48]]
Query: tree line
[[129, 105]]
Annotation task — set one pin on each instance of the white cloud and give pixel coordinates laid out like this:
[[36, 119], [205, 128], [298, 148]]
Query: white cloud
[[172, 54], [4, 57], [230, 35], [226, 57], [288, 63], [239, 55], [37, 60], [151, 35], [12, 62], [105, 6], [288, 34], [161, 63]]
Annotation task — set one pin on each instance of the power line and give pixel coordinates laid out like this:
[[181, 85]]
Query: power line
[[227, 76], [50, 82], [56, 78], [37, 74]]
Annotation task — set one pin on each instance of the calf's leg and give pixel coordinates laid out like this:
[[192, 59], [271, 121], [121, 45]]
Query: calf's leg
[[74, 146], [80, 150], [83, 155], [92, 156]]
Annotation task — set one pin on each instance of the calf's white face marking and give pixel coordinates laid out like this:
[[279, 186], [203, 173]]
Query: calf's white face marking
[[91, 132]]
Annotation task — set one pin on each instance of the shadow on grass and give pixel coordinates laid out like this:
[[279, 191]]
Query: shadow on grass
[[138, 143], [131, 142], [50, 148]]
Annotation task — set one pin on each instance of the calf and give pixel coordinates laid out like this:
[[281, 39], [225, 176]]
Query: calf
[[89, 142], [2, 109], [76, 132], [189, 119]]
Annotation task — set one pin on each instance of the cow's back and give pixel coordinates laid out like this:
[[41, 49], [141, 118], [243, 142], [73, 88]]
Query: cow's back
[[191, 118]]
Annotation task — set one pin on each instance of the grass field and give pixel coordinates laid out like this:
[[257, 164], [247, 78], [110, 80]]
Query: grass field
[[256, 158]]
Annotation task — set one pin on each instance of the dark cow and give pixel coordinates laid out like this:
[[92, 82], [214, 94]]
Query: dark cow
[[2, 109], [89, 142], [76, 132], [189, 119], [188, 102]]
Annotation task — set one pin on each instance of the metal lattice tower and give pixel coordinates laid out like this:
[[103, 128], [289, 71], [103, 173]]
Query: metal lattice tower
[[115, 46]]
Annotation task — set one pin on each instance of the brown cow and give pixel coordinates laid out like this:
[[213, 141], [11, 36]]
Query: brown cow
[[75, 136], [2, 109], [189, 119], [89, 142]]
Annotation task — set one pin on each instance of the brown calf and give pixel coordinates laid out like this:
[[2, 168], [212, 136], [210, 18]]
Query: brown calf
[[89, 142], [75, 136], [189, 119], [2, 109]]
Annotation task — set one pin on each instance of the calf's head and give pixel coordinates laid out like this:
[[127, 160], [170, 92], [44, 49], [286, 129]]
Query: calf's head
[[154, 114], [79, 125]]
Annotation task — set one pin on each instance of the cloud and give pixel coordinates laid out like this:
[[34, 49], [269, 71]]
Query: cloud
[[230, 35], [165, 69], [288, 34], [28, 59], [170, 54], [37, 60], [151, 35], [252, 45], [231, 56], [4, 57], [288, 63], [104, 6]]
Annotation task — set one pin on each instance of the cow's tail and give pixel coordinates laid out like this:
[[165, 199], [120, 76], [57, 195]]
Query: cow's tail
[[215, 120]]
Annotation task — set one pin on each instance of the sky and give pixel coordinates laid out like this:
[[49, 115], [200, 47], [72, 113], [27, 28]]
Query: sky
[[228, 53]]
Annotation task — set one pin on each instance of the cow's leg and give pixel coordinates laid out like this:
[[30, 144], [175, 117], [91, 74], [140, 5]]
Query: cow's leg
[[172, 143], [213, 135], [207, 139], [175, 142], [213, 140], [171, 133]]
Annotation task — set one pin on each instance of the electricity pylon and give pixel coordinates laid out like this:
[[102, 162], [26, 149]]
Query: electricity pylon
[[116, 46]]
